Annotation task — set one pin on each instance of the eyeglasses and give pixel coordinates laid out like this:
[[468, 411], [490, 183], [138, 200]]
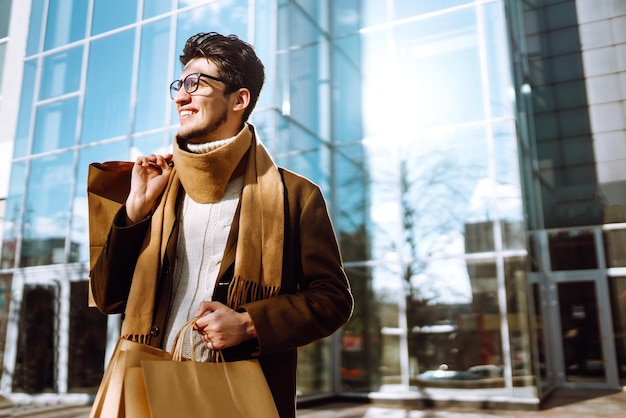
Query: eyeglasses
[[190, 83]]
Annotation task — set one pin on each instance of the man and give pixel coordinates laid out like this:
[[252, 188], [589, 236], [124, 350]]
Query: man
[[217, 232]]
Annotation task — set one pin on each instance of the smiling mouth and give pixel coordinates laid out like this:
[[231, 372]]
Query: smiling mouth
[[185, 113]]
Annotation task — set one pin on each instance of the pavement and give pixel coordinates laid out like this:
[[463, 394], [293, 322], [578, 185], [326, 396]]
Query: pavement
[[561, 404]]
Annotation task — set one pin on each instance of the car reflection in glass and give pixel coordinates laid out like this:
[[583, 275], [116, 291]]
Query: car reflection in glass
[[473, 373]]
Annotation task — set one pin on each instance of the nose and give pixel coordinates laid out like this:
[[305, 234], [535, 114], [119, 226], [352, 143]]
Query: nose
[[182, 96]]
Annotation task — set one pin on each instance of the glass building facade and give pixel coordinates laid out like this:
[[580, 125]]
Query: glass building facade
[[476, 203]]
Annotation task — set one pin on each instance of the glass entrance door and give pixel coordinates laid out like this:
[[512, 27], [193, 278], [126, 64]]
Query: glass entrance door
[[584, 353], [583, 357], [570, 279]]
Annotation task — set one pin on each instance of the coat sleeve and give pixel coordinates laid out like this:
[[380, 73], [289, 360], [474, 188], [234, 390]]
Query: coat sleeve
[[112, 273], [315, 297]]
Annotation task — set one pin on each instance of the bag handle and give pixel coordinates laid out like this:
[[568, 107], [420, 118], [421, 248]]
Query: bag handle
[[177, 347]]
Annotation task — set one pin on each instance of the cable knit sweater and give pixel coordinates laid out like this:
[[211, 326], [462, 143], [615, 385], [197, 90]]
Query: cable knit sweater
[[200, 247], [202, 237]]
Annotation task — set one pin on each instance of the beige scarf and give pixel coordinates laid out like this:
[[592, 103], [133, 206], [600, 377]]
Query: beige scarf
[[259, 252]]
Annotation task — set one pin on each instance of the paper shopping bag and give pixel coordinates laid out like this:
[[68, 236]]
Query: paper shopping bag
[[182, 389], [135, 400], [108, 185], [189, 389], [109, 401]]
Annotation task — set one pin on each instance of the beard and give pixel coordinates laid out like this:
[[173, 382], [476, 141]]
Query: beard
[[202, 134]]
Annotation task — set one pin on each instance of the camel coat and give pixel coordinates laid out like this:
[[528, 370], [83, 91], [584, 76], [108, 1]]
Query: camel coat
[[314, 301]]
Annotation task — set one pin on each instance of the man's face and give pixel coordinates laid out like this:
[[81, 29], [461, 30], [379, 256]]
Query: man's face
[[204, 113]]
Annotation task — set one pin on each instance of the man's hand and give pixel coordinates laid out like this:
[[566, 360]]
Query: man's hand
[[223, 327], [149, 178]]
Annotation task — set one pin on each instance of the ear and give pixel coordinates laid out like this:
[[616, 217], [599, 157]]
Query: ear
[[241, 99]]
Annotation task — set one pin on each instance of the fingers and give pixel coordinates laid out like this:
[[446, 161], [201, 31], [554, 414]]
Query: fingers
[[211, 341], [208, 342], [213, 325], [160, 162], [207, 306], [149, 179]]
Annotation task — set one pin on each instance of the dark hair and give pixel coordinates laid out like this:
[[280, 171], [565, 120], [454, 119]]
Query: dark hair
[[236, 62]]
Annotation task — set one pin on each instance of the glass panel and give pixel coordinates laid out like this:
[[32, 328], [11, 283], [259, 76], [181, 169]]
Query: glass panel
[[312, 165], [579, 200], [112, 14], [615, 247], [455, 324], [388, 289], [5, 304], [613, 192], [300, 151], [265, 35], [508, 189], [345, 17], [12, 223], [360, 338], [540, 341], [419, 74], [317, 11], [61, 73], [374, 92], [66, 22], [222, 16], [513, 236], [347, 119], [385, 210], [479, 236], [408, 8], [535, 252], [152, 94], [34, 365], [315, 368], [426, 190], [5, 15], [283, 92], [107, 98], [388, 293], [160, 143], [47, 210], [266, 125], [116, 151], [55, 125], [35, 27], [22, 136], [390, 347], [518, 302], [572, 250], [350, 214], [582, 346], [88, 332], [300, 28], [618, 309], [307, 99], [156, 7], [374, 12], [3, 48], [498, 65]]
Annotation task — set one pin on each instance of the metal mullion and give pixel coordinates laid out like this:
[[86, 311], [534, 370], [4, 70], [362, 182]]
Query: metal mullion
[[135, 73]]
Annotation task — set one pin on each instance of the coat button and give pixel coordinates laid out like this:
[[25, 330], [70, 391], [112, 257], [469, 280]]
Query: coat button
[[154, 331]]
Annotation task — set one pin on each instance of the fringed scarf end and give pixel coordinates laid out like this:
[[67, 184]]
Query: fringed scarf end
[[137, 338], [242, 291]]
